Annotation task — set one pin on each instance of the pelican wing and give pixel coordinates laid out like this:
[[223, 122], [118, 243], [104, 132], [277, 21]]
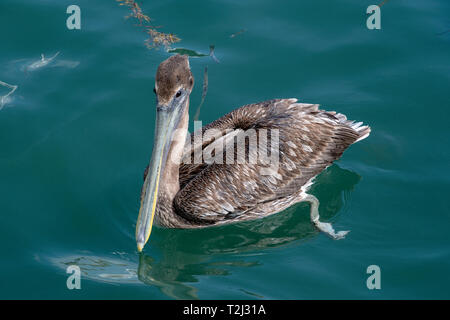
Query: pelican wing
[[309, 140]]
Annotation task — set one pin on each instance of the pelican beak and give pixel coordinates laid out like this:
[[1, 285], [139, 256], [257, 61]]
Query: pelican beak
[[167, 120]]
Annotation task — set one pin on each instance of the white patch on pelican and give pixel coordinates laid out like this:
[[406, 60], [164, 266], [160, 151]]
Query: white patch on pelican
[[292, 153], [292, 145]]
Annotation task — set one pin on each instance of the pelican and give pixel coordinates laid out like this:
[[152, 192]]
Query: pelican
[[179, 192]]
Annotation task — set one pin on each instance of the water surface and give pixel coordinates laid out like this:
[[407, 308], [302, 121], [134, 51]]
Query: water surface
[[77, 134]]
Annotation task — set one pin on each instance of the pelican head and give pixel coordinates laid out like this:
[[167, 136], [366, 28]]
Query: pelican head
[[173, 85]]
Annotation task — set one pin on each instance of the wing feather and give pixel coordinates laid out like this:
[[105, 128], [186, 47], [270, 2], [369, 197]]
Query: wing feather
[[310, 139]]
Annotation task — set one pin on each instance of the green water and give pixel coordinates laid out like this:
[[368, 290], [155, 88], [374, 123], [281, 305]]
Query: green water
[[77, 134]]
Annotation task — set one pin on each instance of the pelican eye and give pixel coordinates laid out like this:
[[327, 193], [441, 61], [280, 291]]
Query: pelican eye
[[178, 94]]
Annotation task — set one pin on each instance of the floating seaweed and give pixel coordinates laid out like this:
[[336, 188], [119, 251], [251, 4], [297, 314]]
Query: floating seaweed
[[188, 52], [41, 63], [195, 54], [136, 11], [156, 38], [212, 55], [5, 99], [205, 90], [30, 65], [238, 33]]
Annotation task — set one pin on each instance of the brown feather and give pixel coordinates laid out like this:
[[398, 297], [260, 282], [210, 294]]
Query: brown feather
[[310, 140]]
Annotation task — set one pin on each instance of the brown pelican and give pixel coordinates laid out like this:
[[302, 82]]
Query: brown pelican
[[180, 192]]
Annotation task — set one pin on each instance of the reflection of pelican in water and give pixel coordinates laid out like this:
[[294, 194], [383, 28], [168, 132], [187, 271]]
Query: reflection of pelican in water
[[187, 257], [175, 275], [200, 194]]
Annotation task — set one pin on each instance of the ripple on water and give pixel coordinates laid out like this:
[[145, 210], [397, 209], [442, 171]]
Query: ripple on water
[[99, 268]]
